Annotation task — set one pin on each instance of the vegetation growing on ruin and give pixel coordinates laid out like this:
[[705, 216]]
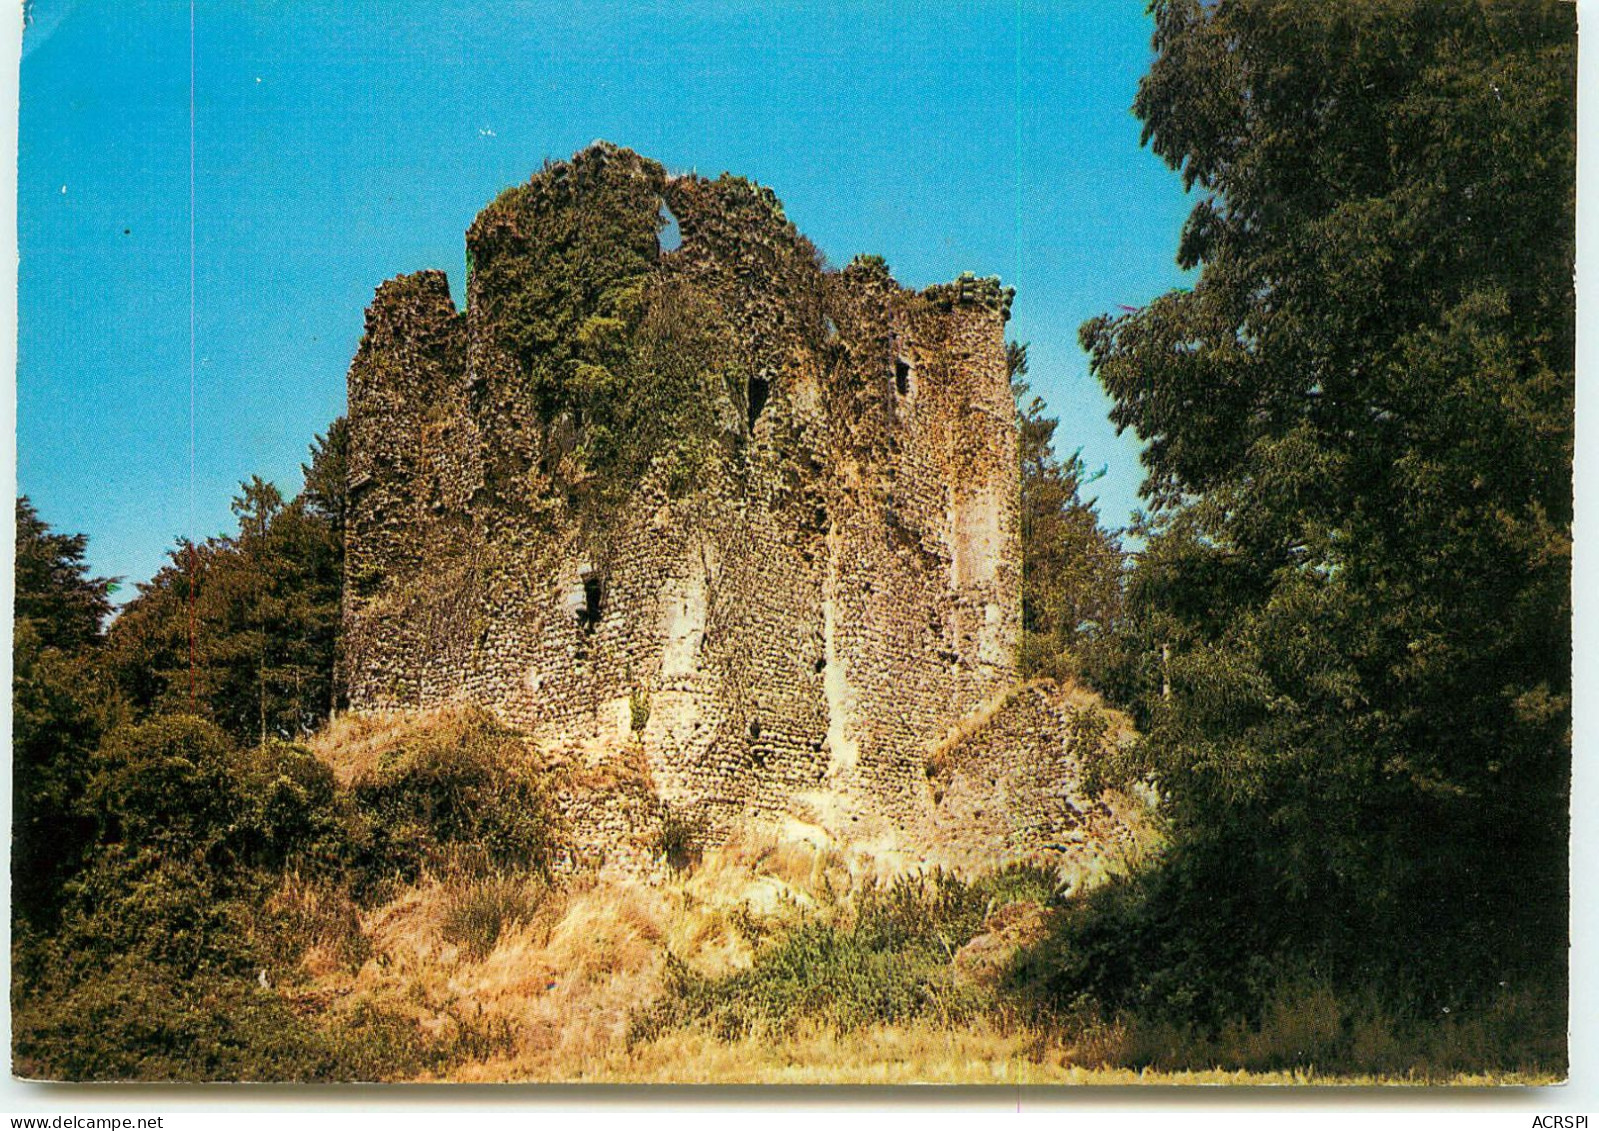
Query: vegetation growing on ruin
[[559, 268], [624, 370]]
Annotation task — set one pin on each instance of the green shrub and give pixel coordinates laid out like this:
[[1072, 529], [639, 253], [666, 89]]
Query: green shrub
[[170, 910], [168, 783], [460, 799], [177, 784], [136, 1021], [290, 809], [189, 835]]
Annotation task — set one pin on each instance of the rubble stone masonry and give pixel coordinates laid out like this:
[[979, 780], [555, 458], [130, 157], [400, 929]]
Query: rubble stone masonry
[[778, 591]]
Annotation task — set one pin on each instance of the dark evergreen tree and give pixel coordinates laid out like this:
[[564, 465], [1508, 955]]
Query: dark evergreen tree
[[60, 707]]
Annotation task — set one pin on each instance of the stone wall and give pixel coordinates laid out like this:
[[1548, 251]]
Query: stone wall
[[403, 388], [741, 520], [1008, 783]]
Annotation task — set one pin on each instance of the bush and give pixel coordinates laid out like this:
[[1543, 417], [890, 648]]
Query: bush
[[166, 783], [135, 1021], [209, 866], [458, 799], [177, 784], [680, 841], [638, 709], [1148, 971], [290, 810], [170, 910], [189, 833], [478, 912], [1017, 883]]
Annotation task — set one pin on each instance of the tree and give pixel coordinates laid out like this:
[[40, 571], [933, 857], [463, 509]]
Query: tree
[[326, 493], [59, 709], [64, 607], [243, 630], [1348, 636], [1071, 568]]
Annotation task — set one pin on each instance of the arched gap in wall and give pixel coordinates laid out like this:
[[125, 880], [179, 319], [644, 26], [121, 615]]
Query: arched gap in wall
[[671, 236]]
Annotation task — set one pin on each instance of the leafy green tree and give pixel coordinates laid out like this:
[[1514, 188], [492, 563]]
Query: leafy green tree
[[243, 629], [1071, 566], [1348, 637], [59, 705]]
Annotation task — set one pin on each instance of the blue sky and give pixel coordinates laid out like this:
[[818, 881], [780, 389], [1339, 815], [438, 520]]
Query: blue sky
[[337, 144]]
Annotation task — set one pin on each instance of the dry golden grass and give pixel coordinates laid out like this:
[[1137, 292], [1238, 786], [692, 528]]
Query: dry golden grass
[[351, 744], [322, 925], [568, 977], [565, 981], [915, 1054], [929, 1054], [562, 976]]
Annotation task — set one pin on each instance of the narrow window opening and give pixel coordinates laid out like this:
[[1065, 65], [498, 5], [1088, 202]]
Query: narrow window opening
[[759, 389], [588, 615], [671, 235], [902, 376]]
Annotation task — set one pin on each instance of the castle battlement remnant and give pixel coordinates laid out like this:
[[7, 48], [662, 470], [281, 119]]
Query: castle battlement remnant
[[751, 518]]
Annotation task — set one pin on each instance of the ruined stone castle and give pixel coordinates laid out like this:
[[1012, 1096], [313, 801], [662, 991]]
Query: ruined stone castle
[[716, 512]]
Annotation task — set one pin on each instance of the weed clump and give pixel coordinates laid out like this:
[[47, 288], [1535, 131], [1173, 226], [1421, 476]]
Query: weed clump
[[479, 911], [638, 709], [680, 841]]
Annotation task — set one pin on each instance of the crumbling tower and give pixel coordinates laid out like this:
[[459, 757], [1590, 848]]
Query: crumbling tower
[[718, 503]]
